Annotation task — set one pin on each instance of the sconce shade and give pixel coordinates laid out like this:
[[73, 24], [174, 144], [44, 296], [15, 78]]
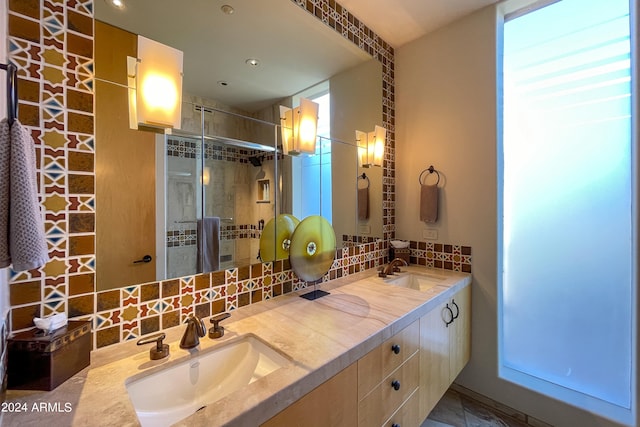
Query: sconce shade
[[371, 147], [299, 128], [157, 80]]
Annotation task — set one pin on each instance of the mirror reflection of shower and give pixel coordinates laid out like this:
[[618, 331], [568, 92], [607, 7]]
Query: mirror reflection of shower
[[257, 162], [214, 195]]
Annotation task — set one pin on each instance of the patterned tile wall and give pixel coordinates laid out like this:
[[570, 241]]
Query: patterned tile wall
[[438, 255], [51, 42]]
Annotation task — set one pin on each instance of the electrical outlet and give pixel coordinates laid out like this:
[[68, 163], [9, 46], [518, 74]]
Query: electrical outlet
[[430, 234]]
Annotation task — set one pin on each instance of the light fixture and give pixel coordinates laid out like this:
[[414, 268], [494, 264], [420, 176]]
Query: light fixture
[[299, 128], [118, 4], [371, 147], [252, 62], [155, 82]]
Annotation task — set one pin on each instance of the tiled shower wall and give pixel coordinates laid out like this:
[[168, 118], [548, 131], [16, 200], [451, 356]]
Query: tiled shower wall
[[51, 42]]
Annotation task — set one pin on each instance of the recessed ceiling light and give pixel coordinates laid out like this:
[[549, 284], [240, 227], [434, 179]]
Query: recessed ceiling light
[[252, 62], [118, 4], [223, 83], [227, 10]]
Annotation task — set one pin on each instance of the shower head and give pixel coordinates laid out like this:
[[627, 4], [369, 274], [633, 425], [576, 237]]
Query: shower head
[[256, 161]]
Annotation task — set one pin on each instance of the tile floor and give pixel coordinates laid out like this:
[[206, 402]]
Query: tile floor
[[458, 410]]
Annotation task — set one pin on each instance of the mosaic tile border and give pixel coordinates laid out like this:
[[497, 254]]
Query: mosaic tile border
[[185, 148], [440, 255], [187, 236], [52, 45], [346, 24]]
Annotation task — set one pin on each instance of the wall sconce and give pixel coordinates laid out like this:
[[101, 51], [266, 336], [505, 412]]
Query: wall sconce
[[155, 86], [299, 127], [371, 147]]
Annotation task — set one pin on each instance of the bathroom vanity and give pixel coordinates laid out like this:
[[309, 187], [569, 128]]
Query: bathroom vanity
[[373, 352]]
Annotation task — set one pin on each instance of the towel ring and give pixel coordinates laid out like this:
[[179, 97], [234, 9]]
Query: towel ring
[[12, 91], [431, 170], [364, 176]]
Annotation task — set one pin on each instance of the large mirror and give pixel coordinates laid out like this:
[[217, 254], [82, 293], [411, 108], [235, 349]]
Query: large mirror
[[149, 187]]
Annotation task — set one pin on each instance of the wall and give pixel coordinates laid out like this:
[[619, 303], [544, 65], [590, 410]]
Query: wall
[[446, 104]]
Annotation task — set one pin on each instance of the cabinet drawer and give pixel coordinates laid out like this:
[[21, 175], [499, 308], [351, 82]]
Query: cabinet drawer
[[385, 400], [384, 359], [408, 414]]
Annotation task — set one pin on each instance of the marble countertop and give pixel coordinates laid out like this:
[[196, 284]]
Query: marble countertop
[[321, 337]]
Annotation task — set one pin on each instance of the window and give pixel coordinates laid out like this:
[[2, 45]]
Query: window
[[566, 299]]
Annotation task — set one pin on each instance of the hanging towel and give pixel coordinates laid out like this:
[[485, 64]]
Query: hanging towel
[[428, 203], [5, 162], [363, 203], [27, 243], [208, 244]]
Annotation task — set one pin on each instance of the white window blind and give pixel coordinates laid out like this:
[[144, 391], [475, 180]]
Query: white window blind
[[566, 294]]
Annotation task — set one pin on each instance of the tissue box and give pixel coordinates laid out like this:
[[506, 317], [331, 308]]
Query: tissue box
[[43, 362], [403, 253]]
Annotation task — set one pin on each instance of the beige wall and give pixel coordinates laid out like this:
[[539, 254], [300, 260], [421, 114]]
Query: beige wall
[[446, 104]]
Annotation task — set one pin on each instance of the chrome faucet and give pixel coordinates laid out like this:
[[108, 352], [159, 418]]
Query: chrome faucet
[[195, 330], [392, 267]]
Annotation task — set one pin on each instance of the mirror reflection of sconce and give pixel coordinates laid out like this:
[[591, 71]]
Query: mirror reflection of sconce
[[155, 86], [299, 128], [206, 175], [371, 147]]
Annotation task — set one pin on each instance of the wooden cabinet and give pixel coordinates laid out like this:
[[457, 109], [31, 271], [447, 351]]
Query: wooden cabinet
[[388, 379], [333, 403], [399, 382], [445, 347]]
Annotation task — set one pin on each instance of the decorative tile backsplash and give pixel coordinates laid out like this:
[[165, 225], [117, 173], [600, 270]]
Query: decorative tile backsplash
[[438, 255], [133, 311]]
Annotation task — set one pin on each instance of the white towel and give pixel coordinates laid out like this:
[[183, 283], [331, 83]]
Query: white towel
[[5, 162], [27, 243]]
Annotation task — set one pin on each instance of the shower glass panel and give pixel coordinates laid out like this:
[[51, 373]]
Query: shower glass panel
[[183, 203]]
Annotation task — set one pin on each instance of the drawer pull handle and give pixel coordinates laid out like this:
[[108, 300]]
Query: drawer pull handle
[[395, 348], [452, 318], [395, 384], [457, 309]]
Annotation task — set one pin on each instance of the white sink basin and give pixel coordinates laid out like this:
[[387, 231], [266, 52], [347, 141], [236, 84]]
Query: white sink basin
[[171, 394], [420, 282]]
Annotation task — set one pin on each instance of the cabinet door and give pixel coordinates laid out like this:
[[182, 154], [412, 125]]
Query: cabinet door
[[434, 358], [460, 331], [333, 403]]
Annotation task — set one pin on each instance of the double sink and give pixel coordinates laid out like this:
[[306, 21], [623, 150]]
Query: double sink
[[174, 391]]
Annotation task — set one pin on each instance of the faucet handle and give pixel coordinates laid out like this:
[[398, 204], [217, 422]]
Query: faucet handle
[[381, 272], [218, 331], [160, 351]]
